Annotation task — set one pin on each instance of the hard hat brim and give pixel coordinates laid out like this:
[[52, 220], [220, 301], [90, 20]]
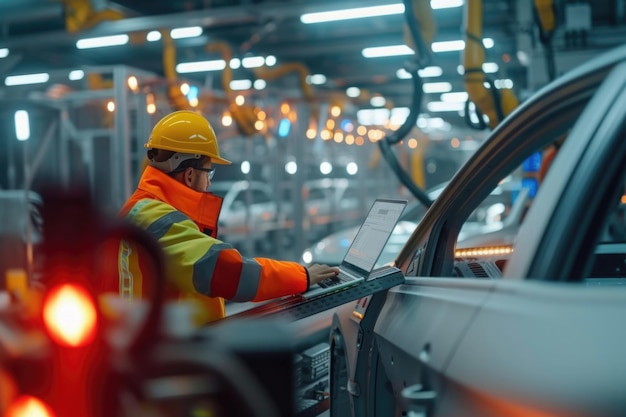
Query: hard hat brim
[[220, 161]]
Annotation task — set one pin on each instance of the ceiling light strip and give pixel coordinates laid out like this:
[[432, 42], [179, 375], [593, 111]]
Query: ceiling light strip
[[102, 41], [356, 13], [25, 79], [371, 11]]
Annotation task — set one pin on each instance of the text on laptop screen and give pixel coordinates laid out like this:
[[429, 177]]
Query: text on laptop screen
[[373, 234]]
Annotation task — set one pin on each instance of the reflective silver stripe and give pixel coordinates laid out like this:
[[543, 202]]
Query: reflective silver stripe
[[138, 206], [160, 227], [204, 267], [248, 281], [125, 276]]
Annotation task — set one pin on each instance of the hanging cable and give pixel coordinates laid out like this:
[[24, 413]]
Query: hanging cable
[[422, 57]]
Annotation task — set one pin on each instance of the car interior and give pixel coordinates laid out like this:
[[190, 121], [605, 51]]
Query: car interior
[[486, 258]]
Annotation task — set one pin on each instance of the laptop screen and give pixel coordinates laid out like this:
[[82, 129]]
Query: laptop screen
[[371, 238]]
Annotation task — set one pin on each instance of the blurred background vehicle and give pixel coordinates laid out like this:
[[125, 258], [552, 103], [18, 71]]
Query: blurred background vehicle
[[493, 222], [249, 213]]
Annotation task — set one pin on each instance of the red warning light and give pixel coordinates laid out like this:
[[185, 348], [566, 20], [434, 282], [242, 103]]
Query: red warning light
[[28, 406], [70, 315]]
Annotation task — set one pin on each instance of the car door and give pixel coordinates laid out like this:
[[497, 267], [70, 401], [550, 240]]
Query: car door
[[556, 347], [422, 323]]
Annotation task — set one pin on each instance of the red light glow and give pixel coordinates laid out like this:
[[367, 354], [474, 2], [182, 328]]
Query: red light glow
[[28, 406], [70, 315]]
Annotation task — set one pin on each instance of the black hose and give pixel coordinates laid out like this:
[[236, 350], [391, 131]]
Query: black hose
[[398, 135], [422, 56], [423, 52]]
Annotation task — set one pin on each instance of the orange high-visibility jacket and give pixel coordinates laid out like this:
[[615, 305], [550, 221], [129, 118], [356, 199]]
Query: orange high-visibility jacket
[[184, 222]]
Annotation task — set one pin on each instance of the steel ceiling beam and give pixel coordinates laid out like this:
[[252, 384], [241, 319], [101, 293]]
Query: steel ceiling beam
[[29, 11]]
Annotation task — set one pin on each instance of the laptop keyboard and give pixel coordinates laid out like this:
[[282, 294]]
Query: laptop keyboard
[[329, 282], [336, 280]]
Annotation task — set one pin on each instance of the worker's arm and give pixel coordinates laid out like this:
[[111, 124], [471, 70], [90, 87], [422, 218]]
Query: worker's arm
[[199, 263]]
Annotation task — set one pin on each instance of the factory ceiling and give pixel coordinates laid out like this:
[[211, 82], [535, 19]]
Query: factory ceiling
[[42, 36]]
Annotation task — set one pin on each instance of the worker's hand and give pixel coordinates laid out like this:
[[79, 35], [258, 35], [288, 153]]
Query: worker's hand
[[319, 272]]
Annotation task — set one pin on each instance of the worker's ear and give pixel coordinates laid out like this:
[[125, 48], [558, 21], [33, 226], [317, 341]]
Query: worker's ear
[[188, 176]]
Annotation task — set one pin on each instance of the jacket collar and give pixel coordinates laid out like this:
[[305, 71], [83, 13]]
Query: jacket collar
[[202, 208]]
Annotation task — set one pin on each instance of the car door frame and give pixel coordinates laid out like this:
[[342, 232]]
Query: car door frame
[[576, 189]]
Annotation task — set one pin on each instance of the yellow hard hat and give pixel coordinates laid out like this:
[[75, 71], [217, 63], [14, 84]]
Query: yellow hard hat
[[186, 132]]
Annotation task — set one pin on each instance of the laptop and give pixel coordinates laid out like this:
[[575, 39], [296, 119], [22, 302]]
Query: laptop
[[365, 249]]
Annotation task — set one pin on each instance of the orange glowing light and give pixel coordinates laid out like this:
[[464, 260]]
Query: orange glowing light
[[70, 315], [28, 406]]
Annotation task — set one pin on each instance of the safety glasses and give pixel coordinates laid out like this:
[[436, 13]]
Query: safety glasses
[[209, 172]]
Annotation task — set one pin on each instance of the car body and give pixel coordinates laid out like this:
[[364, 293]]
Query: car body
[[530, 328]]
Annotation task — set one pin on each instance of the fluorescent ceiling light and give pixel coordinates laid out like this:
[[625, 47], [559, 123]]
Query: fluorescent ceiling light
[[448, 46], [260, 84], [458, 97], [270, 60], [378, 101], [240, 84], [253, 62], [102, 41], [457, 45], [397, 50], [22, 125], [379, 117], [201, 66], [399, 115], [403, 74], [76, 75], [427, 72], [382, 51], [373, 11], [440, 106], [437, 87], [316, 79], [353, 92], [357, 13], [488, 68], [187, 32], [27, 79], [235, 63], [445, 4], [4, 52], [372, 117], [506, 83], [431, 123], [153, 36]]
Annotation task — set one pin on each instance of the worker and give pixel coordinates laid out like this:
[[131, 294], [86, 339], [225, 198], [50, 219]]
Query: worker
[[172, 202]]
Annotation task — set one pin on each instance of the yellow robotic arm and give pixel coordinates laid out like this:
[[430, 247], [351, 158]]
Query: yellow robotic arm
[[496, 104]]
